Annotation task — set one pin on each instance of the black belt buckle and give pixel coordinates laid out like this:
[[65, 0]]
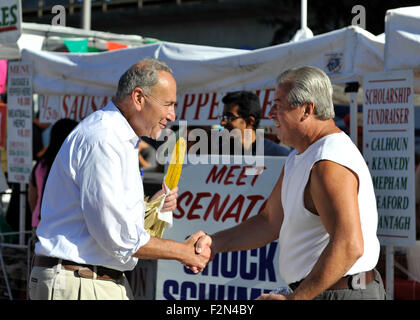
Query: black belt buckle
[[358, 281]]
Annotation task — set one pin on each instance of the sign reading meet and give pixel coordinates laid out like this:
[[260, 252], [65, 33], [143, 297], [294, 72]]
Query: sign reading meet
[[211, 198], [388, 147]]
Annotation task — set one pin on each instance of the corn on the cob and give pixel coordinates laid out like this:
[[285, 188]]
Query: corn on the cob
[[175, 165], [153, 225]]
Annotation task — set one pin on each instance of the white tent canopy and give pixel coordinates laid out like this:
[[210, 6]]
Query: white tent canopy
[[345, 55], [402, 45], [35, 37]]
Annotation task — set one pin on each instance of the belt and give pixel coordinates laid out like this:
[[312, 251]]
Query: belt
[[356, 281], [83, 270]]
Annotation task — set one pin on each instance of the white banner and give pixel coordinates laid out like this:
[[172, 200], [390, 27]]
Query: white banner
[[388, 147], [19, 122], [195, 108], [53, 108], [343, 54], [213, 197]]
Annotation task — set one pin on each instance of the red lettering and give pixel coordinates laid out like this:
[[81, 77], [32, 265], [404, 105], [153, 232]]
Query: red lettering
[[65, 107], [267, 102], [73, 111], [196, 205], [230, 174], [254, 199], [201, 104], [217, 212], [83, 107], [242, 175], [216, 207], [214, 175], [179, 201], [187, 104], [262, 207], [102, 104], [239, 202], [367, 97], [214, 103]]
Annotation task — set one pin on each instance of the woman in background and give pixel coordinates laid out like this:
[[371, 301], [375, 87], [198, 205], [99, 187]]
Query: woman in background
[[59, 131]]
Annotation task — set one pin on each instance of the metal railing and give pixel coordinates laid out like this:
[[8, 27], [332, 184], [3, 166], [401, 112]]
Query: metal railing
[[28, 247]]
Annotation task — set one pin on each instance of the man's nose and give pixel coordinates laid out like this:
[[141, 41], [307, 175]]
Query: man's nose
[[171, 116]]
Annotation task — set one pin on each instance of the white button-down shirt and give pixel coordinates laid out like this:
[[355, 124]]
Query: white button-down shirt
[[93, 205]]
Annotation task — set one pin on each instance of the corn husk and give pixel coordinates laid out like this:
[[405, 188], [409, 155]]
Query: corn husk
[[152, 224]]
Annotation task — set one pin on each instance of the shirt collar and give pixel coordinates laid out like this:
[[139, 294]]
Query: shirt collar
[[124, 129]]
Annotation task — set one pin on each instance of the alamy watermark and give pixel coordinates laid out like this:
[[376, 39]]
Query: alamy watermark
[[215, 146], [360, 18], [60, 15]]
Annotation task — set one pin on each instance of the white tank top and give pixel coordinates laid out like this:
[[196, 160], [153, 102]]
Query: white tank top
[[303, 236]]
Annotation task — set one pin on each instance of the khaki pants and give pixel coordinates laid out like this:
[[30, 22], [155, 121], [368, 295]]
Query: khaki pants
[[60, 284]]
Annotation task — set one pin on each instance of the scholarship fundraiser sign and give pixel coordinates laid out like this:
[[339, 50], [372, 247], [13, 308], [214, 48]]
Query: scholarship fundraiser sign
[[388, 146], [213, 197], [19, 122]]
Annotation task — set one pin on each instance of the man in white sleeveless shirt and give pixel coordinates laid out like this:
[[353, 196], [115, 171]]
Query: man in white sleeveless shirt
[[323, 207]]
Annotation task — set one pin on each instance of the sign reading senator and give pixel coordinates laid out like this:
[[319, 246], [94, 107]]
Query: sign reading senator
[[213, 197]]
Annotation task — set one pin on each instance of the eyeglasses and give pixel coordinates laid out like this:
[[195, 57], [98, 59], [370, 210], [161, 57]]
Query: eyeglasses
[[228, 117], [164, 104]]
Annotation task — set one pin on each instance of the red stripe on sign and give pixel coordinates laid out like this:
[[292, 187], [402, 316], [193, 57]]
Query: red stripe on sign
[[392, 236], [386, 80], [396, 130], [8, 28]]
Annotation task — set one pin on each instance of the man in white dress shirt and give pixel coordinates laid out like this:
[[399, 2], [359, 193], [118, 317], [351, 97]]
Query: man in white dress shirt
[[92, 216]]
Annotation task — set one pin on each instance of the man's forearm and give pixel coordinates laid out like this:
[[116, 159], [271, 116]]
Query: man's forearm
[[253, 233], [334, 262], [184, 252]]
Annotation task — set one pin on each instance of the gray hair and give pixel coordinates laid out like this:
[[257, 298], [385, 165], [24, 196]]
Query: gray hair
[[309, 84], [143, 74]]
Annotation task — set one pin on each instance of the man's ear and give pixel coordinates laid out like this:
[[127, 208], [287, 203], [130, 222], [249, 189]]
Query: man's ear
[[250, 121], [308, 109], [137, 97]]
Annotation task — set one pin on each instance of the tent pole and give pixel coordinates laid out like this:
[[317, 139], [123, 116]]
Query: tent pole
[[303, 14], [389, 272], [86, 14], [352, 88], [22, 213]]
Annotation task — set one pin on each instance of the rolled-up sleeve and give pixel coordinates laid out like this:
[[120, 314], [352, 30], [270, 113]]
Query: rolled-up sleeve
[[112, 198]]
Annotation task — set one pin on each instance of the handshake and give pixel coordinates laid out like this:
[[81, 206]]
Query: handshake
[[198, 252]]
